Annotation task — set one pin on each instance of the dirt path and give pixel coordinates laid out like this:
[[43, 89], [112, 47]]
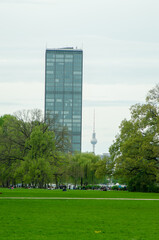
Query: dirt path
[[75, 198]]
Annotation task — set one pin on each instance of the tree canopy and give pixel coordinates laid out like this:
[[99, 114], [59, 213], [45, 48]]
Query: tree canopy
[[25, 137], [135, 151]]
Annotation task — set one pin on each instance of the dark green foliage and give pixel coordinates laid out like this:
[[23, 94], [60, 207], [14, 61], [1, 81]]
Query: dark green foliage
[[135, 152], [115, 188], [89, 187]]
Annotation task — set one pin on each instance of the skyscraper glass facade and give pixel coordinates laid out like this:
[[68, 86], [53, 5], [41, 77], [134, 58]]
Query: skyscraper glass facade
[[63, 90]]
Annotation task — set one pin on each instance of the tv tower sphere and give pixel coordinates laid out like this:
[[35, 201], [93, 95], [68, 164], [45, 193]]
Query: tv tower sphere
[[94, 140]]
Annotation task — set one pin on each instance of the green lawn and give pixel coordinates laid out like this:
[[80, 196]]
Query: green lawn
[[32, 219], [18, 192], [78, 219]]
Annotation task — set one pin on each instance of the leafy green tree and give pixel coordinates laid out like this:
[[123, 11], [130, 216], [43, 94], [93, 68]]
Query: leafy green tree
[[104, 168], [82, 168], [26, 137], [41, 147], [40, 144], [59, 164], [74, 168], [135, 151], [35, 172], [10, 151]]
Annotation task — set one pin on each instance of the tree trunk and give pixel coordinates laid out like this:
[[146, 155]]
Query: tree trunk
[[81, 181], [56, 181]]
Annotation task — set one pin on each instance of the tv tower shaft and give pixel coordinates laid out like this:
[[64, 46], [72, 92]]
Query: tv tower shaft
[[94, 140]]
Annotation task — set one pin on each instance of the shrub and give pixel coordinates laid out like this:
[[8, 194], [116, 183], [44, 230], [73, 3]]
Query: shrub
[[115, 187]]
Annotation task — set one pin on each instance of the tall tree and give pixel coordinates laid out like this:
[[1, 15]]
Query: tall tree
[[135, 151]]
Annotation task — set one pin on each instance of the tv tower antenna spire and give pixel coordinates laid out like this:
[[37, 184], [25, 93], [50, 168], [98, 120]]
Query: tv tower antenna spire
[[93, 140]]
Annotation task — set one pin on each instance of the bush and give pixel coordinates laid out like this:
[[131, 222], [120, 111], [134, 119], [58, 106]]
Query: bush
[[115, 187], [153, 188], [140, 187], [87, 187]]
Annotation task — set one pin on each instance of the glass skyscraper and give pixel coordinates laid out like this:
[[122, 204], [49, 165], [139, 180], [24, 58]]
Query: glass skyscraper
[[63, 90]]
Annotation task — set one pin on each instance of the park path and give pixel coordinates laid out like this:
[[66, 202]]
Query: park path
[[75, 198]]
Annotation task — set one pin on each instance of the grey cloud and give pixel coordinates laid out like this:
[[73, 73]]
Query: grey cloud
[[124, 74], [28, 1], [9, 103], [92, 103]]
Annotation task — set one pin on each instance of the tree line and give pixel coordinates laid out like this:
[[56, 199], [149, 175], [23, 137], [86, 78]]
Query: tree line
[[35, 152]]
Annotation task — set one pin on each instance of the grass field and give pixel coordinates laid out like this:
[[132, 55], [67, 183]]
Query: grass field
[[77, 219], [18, 192]]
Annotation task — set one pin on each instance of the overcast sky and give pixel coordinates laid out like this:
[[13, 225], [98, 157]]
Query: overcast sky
[[120, 42]]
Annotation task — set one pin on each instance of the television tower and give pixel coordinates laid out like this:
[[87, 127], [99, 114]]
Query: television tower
[[94, 140]]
